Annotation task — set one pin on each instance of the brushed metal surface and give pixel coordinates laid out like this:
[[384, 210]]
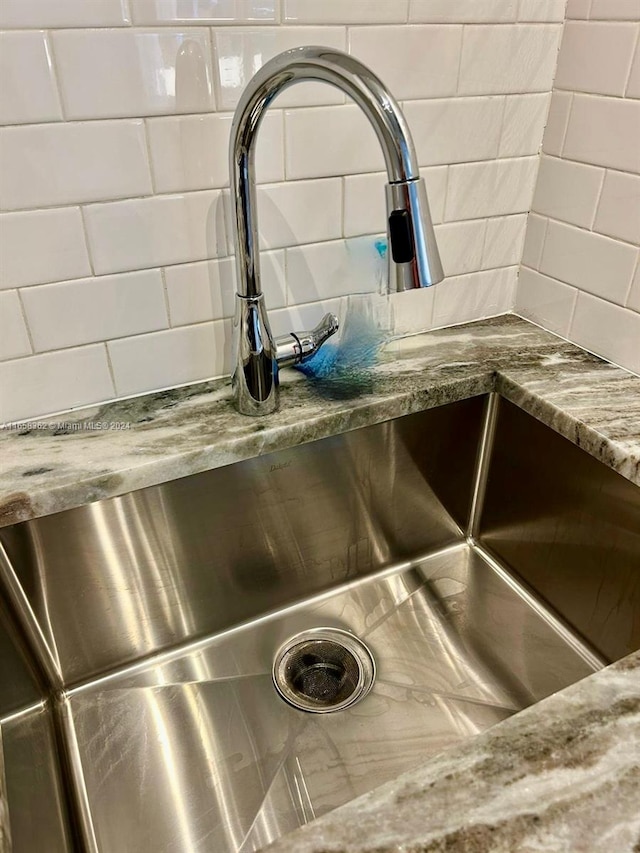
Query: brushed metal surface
[[120, 579], [569, 527], [202, 753], [35, 802]]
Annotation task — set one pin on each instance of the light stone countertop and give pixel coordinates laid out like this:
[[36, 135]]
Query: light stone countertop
[[191, 429], [563, 775]]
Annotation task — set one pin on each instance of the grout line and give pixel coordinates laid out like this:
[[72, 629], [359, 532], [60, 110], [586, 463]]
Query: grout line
[[56, 75], [166, 296], [634, 52], [26, 323], [85, 235], [598, 200], [583, 228], [112, 373]]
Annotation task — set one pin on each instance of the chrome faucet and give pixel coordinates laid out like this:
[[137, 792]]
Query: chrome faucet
[[413, 260]]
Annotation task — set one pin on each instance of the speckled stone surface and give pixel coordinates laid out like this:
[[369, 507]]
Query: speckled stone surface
[[191, 429], [561, 777]]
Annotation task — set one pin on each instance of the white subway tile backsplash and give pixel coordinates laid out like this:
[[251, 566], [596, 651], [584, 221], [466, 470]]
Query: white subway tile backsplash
[[469, 297], [593, 263], [37, 246], [414, 62], [117, 73], [206, 290], [508, 59], [503, 241], [462, 11], [619, 208], [494, 188], [14, 340], [94, 309], [460, 245], [329, 270], [54, 381], [607, 330], [191, 152], [544, 300], [154, 12], [23, 14], [172, 357], [523, 124], [567, 191], [604, 132], [534, 240], [239, 53], [152, 232], [595, 57], [557, 122], [28, 92], [325, 141], [610, 10], [541, 10], [339, 12], [455, 130], [299, 212], [60, 164], [634, 294], [578, 9]]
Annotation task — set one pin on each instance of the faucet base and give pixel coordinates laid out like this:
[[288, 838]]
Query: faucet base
[[255, 379]]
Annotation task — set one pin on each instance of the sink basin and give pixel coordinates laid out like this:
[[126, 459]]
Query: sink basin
[[484, 561]]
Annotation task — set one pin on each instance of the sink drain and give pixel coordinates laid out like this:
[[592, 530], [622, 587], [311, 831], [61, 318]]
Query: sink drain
[[323, 670]]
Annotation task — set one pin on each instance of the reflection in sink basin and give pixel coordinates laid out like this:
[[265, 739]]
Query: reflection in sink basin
[[484, 560]]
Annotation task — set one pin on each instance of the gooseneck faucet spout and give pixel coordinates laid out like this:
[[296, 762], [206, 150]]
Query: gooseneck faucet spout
[[414, 260]]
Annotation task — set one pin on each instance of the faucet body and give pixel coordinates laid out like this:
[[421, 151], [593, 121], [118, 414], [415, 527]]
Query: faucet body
[[413, 259]]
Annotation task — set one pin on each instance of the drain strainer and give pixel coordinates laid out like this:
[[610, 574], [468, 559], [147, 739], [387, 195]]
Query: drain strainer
[[323, 670]]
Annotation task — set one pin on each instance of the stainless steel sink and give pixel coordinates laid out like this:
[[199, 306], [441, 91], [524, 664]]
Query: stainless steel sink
[[485, 562]]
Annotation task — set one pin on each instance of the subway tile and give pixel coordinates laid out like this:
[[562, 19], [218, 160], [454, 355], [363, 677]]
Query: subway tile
[[116, 73], [329, 270], [171, 357], [633, 84], [494, 188], [239, 53], [206, 290], [14, 340], [94, 309], [455, 130], [547, 302], [503, 241], [192, 152], [593, 263], [604, 132], [299, 212], [633, 300], [578, 9], [619, 10], [42, 245], [557, 122], [365, 204], [339, 12], [29, 92], [63, 13], [54, 382], [607, 330], [59, 164], [619, 208], [567, 191], [154, 12], [152, 232], [462, 11], [502, 59], [595, 57], [534, 240], [412, 310], [413, 62], [474, 296], [460, 245], [523, 124], [326, 141], [541, 10]]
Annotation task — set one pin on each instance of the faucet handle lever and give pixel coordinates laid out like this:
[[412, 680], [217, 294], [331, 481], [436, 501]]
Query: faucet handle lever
[[296, 347]]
